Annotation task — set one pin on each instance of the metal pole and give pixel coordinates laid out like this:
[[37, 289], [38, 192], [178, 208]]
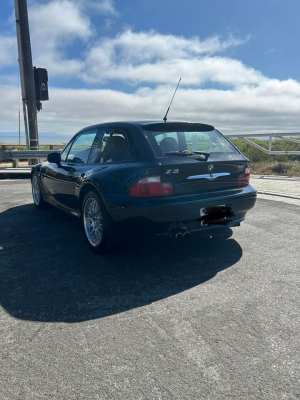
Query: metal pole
[[19, 132], [21, 70], [25, 124], [26, 71], [270, 143]]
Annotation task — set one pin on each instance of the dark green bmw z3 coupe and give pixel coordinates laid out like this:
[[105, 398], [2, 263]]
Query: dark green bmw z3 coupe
[[151, 177]]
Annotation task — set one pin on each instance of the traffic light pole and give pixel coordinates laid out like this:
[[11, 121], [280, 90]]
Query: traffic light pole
[[26, 73], [25, 124]]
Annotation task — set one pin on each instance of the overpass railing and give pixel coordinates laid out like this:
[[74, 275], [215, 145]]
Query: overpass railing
[[16, 155], [286, 136]]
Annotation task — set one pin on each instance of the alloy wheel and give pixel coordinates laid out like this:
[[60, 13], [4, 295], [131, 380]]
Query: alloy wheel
[[93, 221], [36, 190]]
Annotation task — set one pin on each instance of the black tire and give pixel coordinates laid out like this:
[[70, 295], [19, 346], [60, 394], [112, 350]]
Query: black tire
[[95, 219], [37, 193]]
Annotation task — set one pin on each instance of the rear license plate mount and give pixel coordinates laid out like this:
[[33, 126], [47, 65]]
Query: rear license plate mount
[[215, 215]]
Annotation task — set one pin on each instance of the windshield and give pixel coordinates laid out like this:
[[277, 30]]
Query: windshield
[[209, 142]]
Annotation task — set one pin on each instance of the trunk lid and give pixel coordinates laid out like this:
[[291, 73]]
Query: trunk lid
[[190, 176]]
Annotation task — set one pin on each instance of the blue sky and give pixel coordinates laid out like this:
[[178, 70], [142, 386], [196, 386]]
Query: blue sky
[[110, 60], [273, 25]]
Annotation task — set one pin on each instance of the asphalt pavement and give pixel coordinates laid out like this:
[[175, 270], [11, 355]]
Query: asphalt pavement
[[211, 317], [277, 185]]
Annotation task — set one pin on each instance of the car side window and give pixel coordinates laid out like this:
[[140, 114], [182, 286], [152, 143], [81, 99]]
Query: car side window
[[110, 145], [81, 147], [65, 152]]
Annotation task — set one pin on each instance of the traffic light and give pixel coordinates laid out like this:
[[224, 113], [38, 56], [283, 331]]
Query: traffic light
[[41, 86]]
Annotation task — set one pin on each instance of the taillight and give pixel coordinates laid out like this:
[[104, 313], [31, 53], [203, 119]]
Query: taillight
[[151, 186], [244, 179]]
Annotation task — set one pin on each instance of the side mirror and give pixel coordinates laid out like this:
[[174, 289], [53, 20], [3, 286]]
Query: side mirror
[[54, 158]]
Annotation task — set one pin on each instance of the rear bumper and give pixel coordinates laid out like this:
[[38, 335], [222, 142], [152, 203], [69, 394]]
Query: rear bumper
[[193, 228], [162, 215]]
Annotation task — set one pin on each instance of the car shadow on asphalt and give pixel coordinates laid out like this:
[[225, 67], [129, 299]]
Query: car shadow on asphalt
[[49, 274]]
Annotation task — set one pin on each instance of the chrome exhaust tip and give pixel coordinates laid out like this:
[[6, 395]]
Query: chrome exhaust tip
[[180, 233], [186, 234]]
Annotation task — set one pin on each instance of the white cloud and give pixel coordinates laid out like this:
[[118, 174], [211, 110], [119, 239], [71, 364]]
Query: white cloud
[[247, 102], [54, 26], [59, 20], [108, 23], [58, 24], [192, 71], [244, 109], [103, 7], [133, 57], [137, 47], [274, 50], [8, 50], [155, 58]]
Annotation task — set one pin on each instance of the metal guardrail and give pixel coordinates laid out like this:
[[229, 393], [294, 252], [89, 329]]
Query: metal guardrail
[[286, 136], [12, 155], [23, 154]]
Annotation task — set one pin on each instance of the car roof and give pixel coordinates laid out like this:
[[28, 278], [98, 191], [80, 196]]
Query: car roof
[[152, 123]]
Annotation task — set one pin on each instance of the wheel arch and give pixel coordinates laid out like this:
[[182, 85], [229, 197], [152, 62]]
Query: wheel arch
[[89, 187], [35, 169]]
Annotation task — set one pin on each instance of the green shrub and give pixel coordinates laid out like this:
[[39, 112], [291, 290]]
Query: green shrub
[[255, 155]]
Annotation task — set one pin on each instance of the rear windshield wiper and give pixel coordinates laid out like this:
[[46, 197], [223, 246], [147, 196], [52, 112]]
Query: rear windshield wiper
[[179, 153], [199, 155], [204, 154]]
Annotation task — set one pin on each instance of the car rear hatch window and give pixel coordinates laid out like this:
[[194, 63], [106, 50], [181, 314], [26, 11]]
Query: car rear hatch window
[[195, 157]]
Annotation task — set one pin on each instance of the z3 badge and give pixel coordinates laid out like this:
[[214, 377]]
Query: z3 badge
[[172, 171]]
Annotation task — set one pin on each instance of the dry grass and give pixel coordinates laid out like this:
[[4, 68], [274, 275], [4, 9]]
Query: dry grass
[[9, 164], [287, 168]]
